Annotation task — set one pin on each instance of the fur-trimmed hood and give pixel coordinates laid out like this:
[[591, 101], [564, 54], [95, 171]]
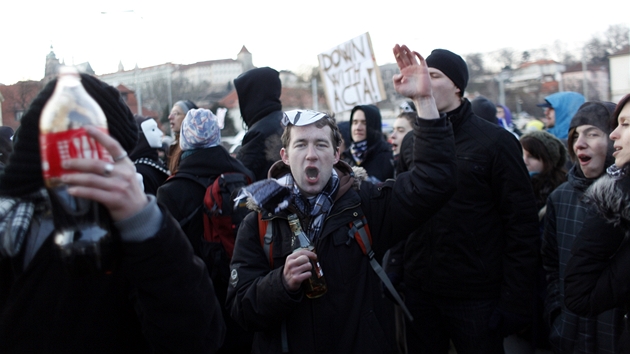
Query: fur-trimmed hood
[[611, 199]]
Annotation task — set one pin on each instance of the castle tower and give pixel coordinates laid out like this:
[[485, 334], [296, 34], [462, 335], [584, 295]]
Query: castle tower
[[245, 57], [52, 66]]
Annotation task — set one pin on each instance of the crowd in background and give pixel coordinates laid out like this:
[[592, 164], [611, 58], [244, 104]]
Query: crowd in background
[[497, 238]]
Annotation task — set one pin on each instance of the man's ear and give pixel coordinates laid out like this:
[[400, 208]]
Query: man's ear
[[285, 156], [337, 154]]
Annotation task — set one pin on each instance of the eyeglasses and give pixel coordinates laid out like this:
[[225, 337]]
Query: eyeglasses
[[301, 117]]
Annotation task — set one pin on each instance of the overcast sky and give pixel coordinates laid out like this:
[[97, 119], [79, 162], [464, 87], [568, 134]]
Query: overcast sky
[[285, 35]]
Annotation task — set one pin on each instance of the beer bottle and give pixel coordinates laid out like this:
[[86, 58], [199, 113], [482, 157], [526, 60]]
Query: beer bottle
[[315, 286], [82, 227]]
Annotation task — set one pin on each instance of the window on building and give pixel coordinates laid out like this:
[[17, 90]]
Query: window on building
[[19, 114]]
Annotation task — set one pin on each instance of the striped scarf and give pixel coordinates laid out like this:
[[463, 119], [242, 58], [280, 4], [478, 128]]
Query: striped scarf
[[317, 207], [358, 151], [16, 215]]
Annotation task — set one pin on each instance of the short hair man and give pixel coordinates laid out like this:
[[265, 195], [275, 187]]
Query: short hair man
[[351, 316], [470, 270]]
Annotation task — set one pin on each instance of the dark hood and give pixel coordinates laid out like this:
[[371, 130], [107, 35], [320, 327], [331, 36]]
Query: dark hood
[[258, 93], [143, 149], [373, 122]]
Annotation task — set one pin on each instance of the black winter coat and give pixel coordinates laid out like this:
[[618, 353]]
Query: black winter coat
[[154, 172], [351, 316], [564, 219], [378, 160], [597, 277], [483, 244], [158, 299]]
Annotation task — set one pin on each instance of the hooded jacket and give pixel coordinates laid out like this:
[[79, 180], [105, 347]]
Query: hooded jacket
[[378, 160], [351, 317], [483, 244], [565, 104], [566, 211], [259, 93], [598, 275]]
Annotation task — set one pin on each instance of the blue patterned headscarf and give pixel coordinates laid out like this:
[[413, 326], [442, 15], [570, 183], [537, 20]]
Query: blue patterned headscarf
[[200, 129]]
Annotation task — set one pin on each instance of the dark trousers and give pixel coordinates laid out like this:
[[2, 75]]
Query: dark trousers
[[438, 320]]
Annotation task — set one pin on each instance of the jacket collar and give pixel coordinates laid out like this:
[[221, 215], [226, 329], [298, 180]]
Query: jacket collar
[[460, 114]]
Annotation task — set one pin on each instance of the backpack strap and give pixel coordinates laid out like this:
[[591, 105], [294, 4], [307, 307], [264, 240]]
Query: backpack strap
[[265, 232], [203, 182], [360, 231]]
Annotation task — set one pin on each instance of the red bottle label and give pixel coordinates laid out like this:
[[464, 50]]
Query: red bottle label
[[69, 144]]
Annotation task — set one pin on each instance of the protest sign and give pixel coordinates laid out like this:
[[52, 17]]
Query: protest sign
[[350, 74]]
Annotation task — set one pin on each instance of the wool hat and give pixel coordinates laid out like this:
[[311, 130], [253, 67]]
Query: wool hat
[[595, 113], [484, 108], [200, 129], [452, 65], [23, 174], [6, 132], [555, 147], [186, 105]]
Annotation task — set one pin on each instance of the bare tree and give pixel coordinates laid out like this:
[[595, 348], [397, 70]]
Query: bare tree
[[506, 57], [600, 47], [475, 64]]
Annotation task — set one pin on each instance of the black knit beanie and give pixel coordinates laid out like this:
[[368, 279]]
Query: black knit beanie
[[484, 108], [23, 174], [595, 113], [452, 65]]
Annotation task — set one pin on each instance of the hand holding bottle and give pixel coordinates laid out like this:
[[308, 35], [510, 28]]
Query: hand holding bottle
[[297, 269], [114, 185]]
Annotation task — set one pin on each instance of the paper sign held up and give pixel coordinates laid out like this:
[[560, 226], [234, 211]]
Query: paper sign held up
[[350, 74]]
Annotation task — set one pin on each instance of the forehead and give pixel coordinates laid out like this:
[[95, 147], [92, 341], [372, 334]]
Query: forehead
[[358, 115], [177, 109], [310, 133], [434, 72], [402, 122], [587, 127]]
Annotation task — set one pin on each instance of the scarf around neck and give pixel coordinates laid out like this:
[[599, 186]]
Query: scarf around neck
[[358, 151], [279, 194], [16, 215]]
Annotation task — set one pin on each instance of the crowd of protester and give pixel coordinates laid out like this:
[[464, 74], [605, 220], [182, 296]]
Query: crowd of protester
[[458, 232]]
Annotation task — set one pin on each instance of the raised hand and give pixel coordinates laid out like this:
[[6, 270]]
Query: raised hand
[[114, 185], [414, 81]]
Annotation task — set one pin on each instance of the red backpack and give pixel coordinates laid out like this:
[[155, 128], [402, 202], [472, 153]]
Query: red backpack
[[221, 217]]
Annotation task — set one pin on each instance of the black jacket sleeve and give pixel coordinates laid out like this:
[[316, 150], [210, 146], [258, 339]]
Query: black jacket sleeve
[[597, 277], [173, 293], [550, 260]]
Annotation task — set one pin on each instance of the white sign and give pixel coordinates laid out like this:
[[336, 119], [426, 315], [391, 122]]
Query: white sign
[[350, 74]]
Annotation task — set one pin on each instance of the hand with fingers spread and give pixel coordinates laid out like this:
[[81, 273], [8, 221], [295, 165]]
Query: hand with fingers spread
[[114, 185], [414, 81], [297, 269]]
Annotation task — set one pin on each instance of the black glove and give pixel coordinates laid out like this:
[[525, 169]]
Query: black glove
[[507, 322]]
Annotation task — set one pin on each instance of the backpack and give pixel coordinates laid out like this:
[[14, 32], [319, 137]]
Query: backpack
[[359, 231], [221, 219]]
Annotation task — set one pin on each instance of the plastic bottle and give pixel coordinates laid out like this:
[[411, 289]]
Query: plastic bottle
[[82, 227], [315, 286]]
